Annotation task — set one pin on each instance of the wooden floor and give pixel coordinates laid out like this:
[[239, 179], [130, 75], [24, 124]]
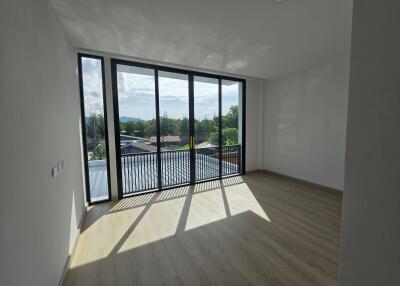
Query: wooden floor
[[259, 229]]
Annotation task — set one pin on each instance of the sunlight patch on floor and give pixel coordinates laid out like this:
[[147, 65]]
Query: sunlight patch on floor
[[241, 199], [148, 218], [206, 186], [132, 202], [98, 241], [159, 222], [206, 207], [173, 193]]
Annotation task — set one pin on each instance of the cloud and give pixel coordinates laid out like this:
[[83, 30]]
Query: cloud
[[136, 94], [92, 86]]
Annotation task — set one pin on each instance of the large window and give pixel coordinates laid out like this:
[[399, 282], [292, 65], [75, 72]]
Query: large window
[[94, 127], [172, 126]]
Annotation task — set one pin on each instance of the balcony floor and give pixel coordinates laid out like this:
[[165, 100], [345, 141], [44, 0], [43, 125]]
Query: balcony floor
[[175, 171]]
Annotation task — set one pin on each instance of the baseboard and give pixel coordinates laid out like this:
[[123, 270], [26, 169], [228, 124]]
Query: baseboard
[[68, 262], [254, 171], [301, 181]]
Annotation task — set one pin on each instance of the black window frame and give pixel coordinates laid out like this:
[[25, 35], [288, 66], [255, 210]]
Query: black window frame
[[191, 74], [83, 126]]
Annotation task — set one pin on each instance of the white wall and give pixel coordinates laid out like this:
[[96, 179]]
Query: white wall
[[253, 123], [40, 120], [370, 247], [305, 124]]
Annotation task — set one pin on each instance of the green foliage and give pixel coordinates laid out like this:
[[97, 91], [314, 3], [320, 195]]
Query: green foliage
[[205, 130], [213, 138], [139, 128], [184, 126], [95, 127], [168, 126], [230, 136], [231, 120], [99, 152]]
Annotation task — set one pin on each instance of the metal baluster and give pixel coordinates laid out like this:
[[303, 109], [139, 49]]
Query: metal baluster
[[201, 161], [173, 168], [169, 169], [127, 178], [146, 182], [127, 173], [155, 170], [166, 168], [152, 170], [123, 166], [187, 164], [134, 178], [136, 167], [147, 171], [142, 172]]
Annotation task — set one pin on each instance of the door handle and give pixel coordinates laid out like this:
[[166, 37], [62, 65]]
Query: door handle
[[191, 142]]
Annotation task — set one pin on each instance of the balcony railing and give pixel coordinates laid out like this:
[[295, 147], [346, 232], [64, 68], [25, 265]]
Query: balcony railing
[[175, 167], [139, 170], [231, 160]]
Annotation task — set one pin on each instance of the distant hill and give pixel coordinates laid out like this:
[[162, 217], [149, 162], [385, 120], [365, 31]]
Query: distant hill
[[127, 119], [121, 119]]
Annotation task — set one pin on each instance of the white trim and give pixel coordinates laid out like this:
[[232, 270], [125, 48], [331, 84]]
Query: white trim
[[70, 255]]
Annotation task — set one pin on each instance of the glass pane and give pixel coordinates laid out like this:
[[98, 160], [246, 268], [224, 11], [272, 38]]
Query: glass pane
[[206, 121], [138, 133], [92, 82], [231, 126], [174, 128]]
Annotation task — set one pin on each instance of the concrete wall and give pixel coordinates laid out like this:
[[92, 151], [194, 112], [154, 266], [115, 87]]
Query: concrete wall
[[371, 209], [253, 123], [305, 124], [40, 125]]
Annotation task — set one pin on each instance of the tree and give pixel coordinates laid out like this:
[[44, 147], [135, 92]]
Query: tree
[[168, 125], [149, 128], [140, 130], [95, 127], [184, 126], [213, 138], [99, 152], [205, 129], [231, 119], [129, 127], [230, 136]]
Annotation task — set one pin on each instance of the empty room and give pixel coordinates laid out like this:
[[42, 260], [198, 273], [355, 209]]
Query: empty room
[[200, 142]]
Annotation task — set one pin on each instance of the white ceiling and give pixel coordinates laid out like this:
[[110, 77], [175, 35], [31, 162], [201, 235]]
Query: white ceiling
[[253, 38]]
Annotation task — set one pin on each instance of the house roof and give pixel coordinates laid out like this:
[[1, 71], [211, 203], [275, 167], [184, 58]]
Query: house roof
[[206, 145], [168, 138], [141, 146], [130, 138]]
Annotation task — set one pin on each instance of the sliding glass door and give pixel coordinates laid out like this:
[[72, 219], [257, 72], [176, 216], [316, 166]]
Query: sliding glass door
[[231, 126], [206, 127], [175, 127], [136, 128]]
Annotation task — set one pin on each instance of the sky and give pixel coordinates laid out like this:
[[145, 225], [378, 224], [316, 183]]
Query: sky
[[137, 96], [92, 86]]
